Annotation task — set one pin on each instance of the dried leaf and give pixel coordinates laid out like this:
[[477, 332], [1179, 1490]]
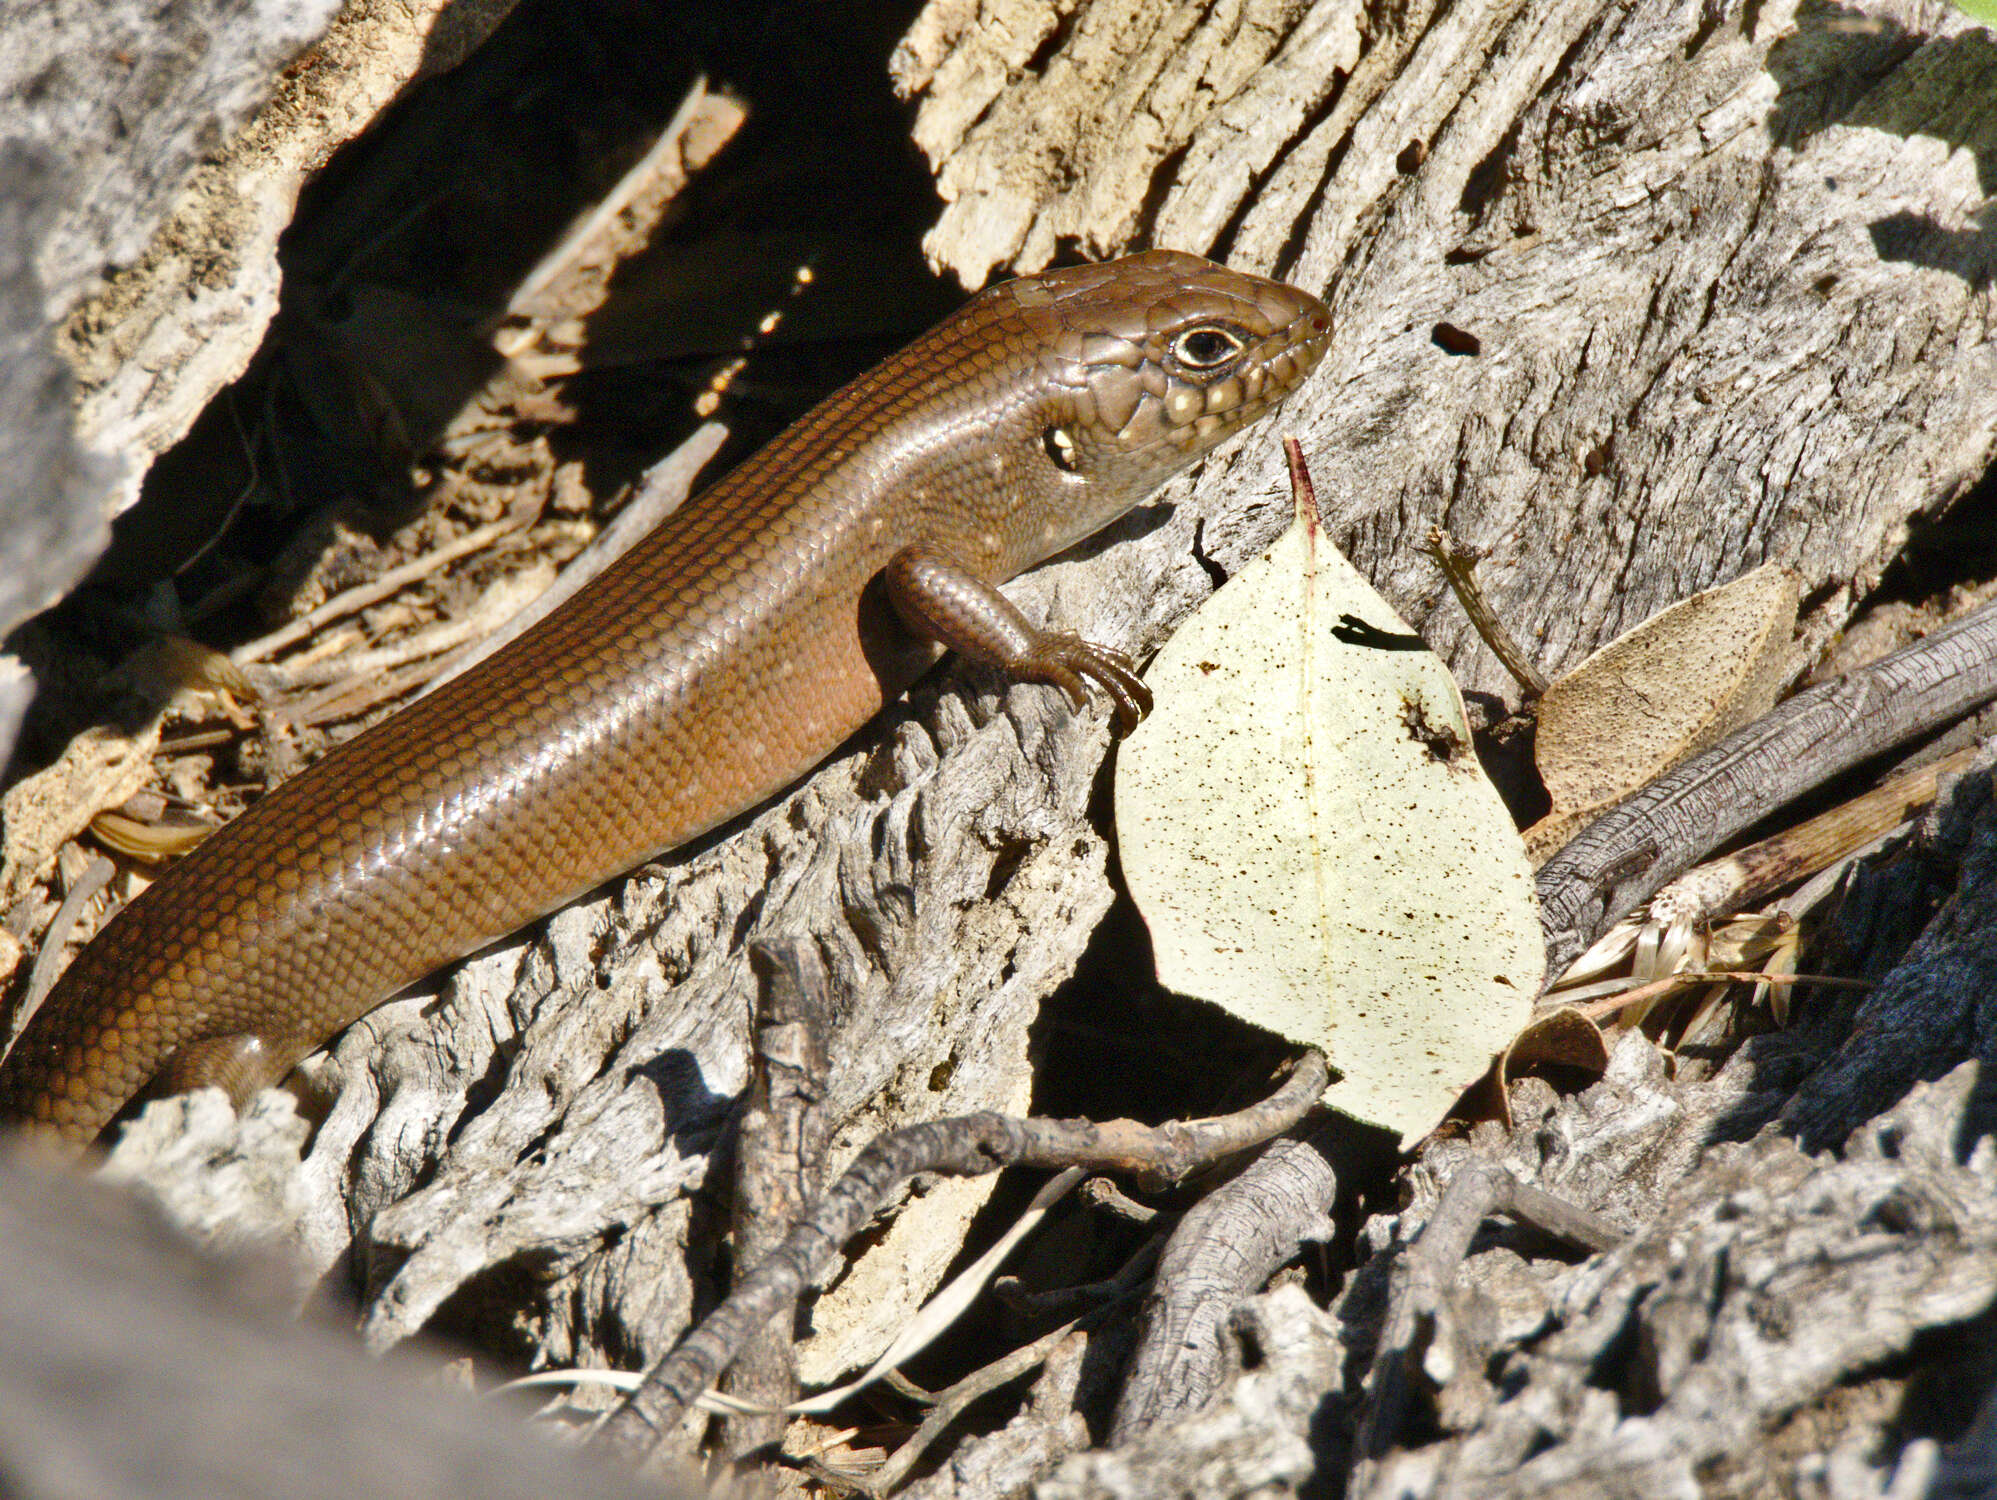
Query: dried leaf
[[1308, 833], [1678, 683], [1560, 1038], [1564, 1038]]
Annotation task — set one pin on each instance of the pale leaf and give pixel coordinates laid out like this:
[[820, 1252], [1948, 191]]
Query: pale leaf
[[1306, 829]]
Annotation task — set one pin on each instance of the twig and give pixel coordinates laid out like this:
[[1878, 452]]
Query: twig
[[199, 739], [664, 488], [1459, 568], [1067, 1302], [952, 1300], [1102, 1193], [1725, 885], [1222, 1250], [1629, 853], [235, 506], [947, 1405], [967, 1146], [42, 977], [348, 700], [907, 1389], [950, 1404], [348, 667], [1602, 1007], [348, 601], [569, 250]]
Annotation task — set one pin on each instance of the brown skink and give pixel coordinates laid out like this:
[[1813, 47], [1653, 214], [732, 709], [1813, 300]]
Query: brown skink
[[711, 666]]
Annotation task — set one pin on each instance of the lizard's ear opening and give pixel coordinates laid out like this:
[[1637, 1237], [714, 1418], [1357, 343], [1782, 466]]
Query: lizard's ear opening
[[1060, 446]]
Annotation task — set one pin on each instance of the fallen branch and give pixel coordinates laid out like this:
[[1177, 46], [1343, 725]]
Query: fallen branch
[[967, 1146], [1223, 1250], [779, 1161], [1630, 852]]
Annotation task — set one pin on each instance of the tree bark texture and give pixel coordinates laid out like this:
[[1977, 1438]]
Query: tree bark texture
[[1633, 296]]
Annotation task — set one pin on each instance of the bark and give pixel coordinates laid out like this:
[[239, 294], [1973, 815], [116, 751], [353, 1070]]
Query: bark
[[152, 156], [1633, 295], [1632, 851], [778, 1172], [968, 1146], [1734, 1346], [1226, 1247]]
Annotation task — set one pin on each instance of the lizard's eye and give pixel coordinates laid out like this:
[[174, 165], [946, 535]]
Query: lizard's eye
[[1207, 347]]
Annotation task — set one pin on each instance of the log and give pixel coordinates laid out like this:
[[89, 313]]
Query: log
[[1632, 296]]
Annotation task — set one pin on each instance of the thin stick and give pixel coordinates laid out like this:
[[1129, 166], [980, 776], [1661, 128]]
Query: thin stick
[[1068, 1302], [1608, 1005], [1459, 568], [349, 601], [569, 249], [967, 1146], [950, 1404], [42, 977], [349, 667], [349, 700], [1725, 885]]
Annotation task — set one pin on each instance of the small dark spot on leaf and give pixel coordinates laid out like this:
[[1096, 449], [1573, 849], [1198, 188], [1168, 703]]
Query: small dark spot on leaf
[[1439, 740]]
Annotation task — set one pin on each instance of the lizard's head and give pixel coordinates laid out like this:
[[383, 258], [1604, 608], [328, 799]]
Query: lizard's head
[[1169, 354], [1154, 360]]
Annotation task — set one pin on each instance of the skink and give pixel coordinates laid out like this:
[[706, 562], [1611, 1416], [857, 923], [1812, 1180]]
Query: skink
[[710, 667]]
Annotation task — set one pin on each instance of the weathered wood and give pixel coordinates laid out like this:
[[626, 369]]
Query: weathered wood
[[1222, 1251], [968, 1146], [194, 291], [779, 1171], [1729, 296], [1423, 1275], [1687, 1362], [1931, 1010], [1629, 853], [151, 159]]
